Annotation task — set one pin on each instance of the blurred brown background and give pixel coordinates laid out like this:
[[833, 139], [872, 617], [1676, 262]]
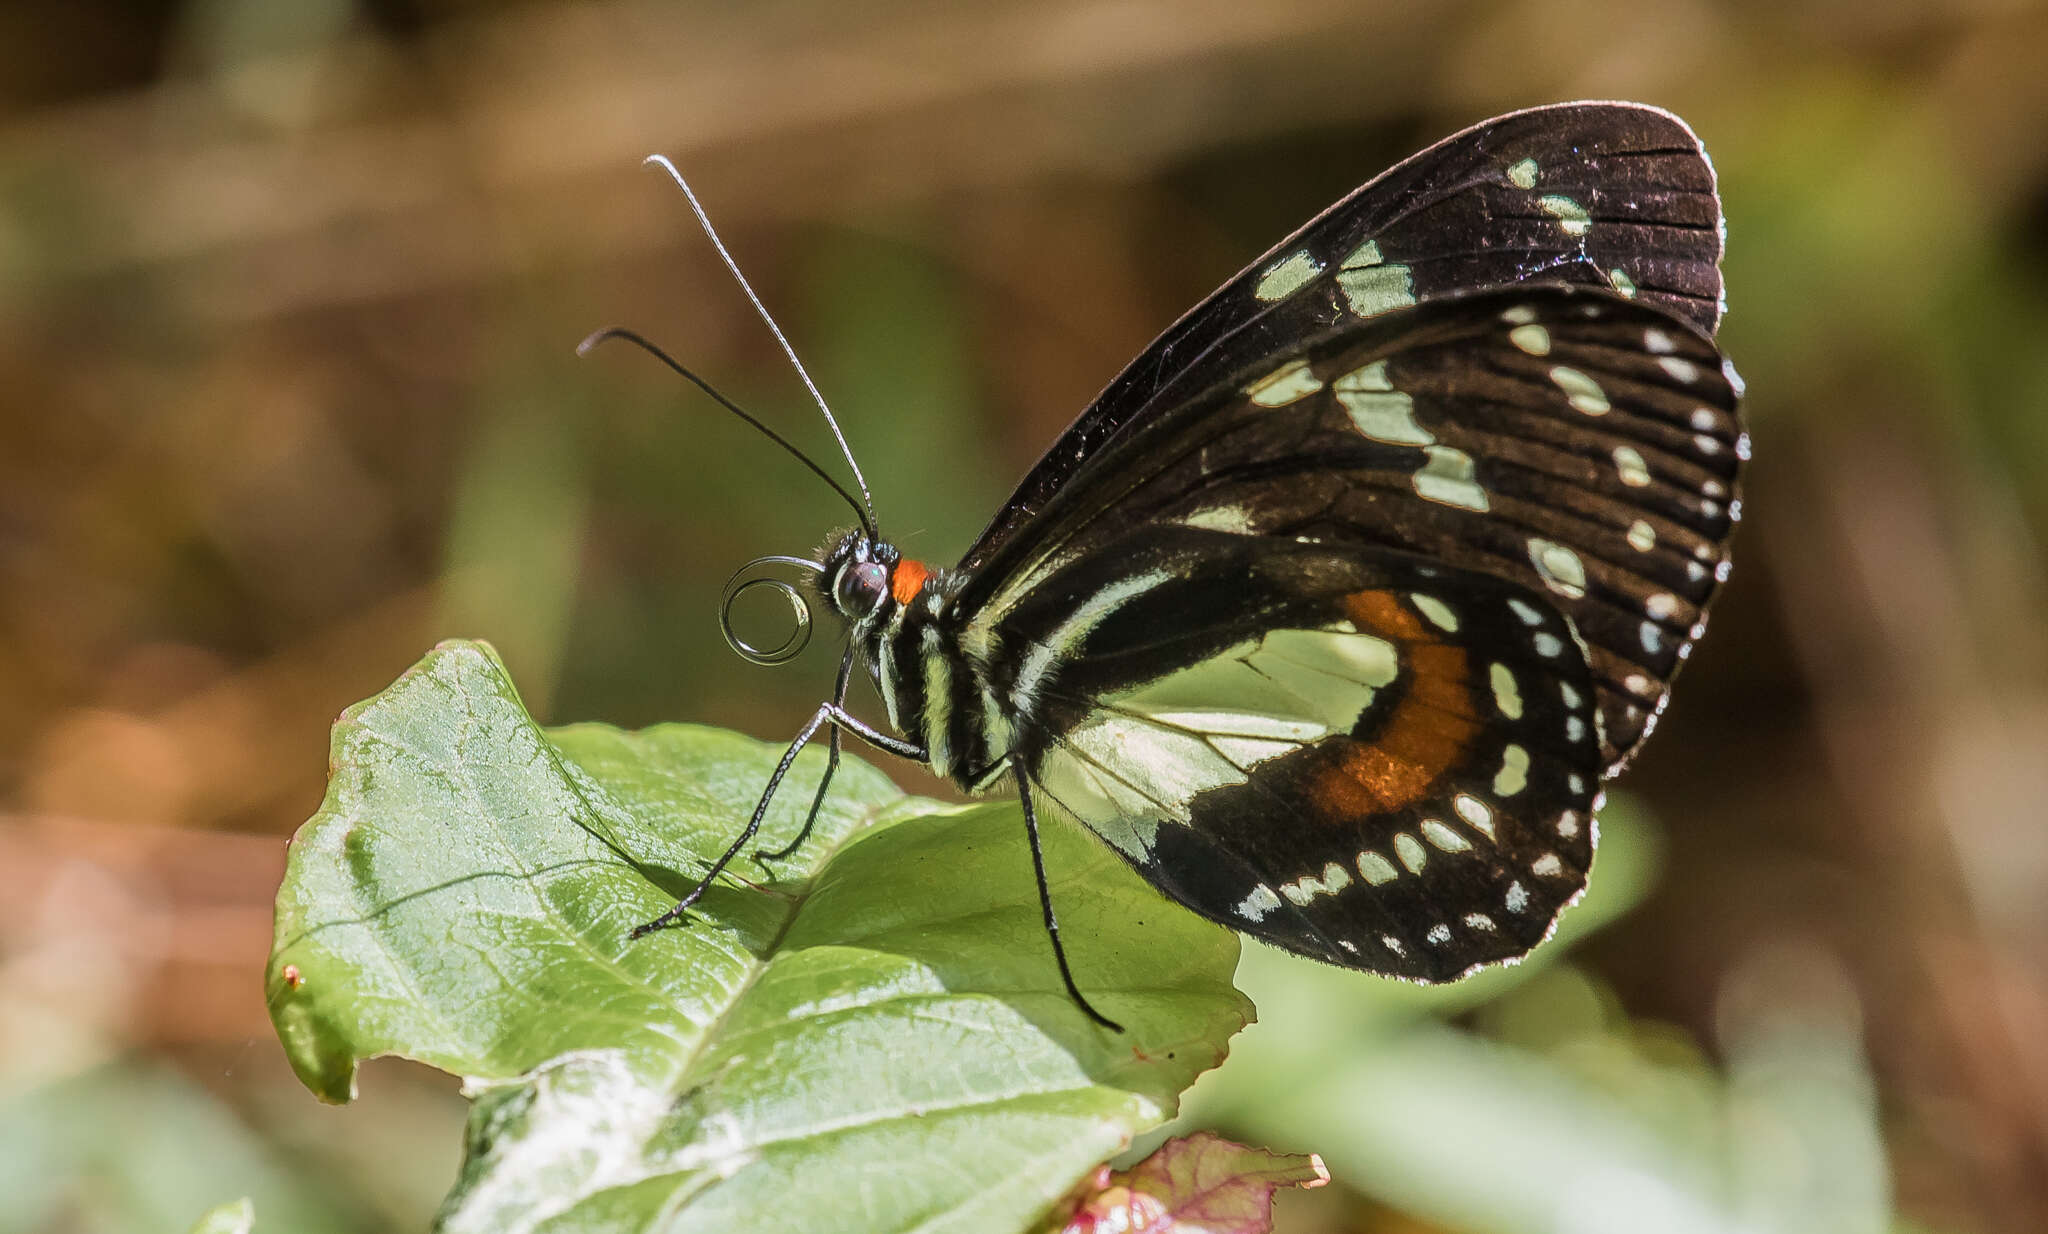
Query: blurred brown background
[[288, 292]]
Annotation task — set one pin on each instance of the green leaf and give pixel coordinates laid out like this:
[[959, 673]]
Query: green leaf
[[870, 1036], [1202, 1184], [233, 1217]]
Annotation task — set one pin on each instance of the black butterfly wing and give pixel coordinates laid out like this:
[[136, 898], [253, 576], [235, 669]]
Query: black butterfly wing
[[1616, 195], [1356, 754], [1580, 446]]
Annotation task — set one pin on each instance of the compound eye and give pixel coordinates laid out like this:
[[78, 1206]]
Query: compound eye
[[861, 588]]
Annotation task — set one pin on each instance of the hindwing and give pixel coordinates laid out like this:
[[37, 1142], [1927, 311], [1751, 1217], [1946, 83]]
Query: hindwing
[[1350, 752], [1619, 196]]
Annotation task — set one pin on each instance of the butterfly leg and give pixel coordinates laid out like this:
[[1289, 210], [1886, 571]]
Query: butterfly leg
[[832, 743], [828, 713], [1052, 925]]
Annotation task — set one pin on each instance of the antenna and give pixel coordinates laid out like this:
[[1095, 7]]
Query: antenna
[[704, 220], [583, 348]]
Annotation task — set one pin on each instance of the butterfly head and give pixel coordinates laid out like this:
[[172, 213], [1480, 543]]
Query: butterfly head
[[857, 576]]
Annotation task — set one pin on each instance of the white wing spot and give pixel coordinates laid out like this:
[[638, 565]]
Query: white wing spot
[[1641, 536], [1634, 471], [1439, 934], [1568, 824], [1437, 611], [1582, 392], [1507, 695], [1653, 638], [1290, 383], [1410, 851], [1375, 869], [1522, 173], [1661, 605], [1576, 783], [1533, 339], [1288, 275], [1393, 944], [1479, 921], [1570, 215], [1520, 315], [1706, 445], [1371, 287], [1574, 729], [1547, 865], [1518, 897], [1526, 611], [1439, 833], [1559, 567], [1636, 683], [1513, 775], [1569, 695], [1680, 369], [1475, 813], [1657, 342], [1547, 645], [1260, 902]]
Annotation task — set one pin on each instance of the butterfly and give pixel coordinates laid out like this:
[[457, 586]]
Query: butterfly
[[1337, 608]]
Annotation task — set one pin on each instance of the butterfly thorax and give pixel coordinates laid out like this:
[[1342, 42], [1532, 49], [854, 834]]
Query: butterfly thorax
[[902, 615]]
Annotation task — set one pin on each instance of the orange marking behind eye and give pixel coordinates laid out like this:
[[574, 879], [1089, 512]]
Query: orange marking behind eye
[[908, 578], [1426, 734]]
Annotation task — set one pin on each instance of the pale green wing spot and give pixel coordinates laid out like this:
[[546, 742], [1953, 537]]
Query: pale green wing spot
[[1532, 339], [1507, 694], [1629, 462], [1380, 411], [1447, 478], [1581, 391], [1288, 275], [1334, 879], [1641, 536], [1290, 383], [1570, 215], [1559, 567], [1513, 776], [1372, 287], [1375, 869], [1410, 851], [1233, 519], [1618, 279], [1441, 834], [1523, 174], [1437, 611]]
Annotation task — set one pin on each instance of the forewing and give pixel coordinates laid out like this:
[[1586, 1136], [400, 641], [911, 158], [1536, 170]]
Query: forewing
[[1571, 442], [1615, 195], [1348, 752]]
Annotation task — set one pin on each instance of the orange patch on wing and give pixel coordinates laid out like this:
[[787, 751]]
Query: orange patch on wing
[[1425, 735], [909, 576], [1380, 613]]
